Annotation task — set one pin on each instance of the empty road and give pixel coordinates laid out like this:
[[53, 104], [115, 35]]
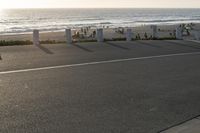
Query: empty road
[[111, 87]]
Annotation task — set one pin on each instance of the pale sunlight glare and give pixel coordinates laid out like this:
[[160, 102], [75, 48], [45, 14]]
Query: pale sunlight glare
[[99, 4]]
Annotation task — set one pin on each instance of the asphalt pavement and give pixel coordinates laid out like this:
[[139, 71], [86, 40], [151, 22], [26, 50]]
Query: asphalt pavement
[[110, 87]]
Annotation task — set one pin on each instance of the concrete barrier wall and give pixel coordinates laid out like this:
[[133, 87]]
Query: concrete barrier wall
[[36, 37], [154, 31], [129, 35], [68, 36], [100, 37], [179, 33]]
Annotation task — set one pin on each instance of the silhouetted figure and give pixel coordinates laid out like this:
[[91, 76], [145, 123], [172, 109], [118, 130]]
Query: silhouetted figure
[[145, 36], [77, 34], [85, 32], [188, 33], [138, 36], [174, 32], [94, 33], [122, 30]]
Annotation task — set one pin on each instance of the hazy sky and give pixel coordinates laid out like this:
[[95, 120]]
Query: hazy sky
[[99, 3]]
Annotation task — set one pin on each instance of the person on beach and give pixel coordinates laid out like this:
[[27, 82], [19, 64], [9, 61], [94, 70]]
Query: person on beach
[[187, 31], [77, 34], [138, 37], [120, 31], [145, 36], [174, 33], [85, 32], [94, 33]]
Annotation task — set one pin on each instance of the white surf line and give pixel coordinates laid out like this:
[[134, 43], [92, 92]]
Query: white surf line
[[97, 62]]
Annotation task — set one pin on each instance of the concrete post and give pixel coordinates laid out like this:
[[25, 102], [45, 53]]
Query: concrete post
[[36, 37], [129, 35], [179, 33], [68, 36], [154, 31], [100, 37]]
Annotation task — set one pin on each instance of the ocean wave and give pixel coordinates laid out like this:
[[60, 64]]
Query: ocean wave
[[168, 20], [50, 20], [89, 19], [105, 23]]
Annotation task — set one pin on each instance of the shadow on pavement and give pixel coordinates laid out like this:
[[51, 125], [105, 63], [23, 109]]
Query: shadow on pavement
[[44, 49], [118, 46], [83, 48], [185, 45], [149, 44]]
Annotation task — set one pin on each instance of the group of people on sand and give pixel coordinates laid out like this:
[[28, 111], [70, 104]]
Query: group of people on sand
[[146, 37], [186, 28], [120, 30], [84, 33]]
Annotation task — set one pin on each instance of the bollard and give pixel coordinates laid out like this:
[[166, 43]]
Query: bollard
[[36, 37], [68, 36], [179, 33], [154, 31], [100, 35], [129, 35]]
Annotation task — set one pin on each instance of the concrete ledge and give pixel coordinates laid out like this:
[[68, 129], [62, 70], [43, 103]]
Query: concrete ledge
[[192, 126]]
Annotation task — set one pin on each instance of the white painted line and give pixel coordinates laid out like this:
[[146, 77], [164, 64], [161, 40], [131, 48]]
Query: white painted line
[[97, 62]]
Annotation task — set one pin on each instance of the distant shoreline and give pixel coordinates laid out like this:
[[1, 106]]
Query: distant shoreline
[[62, 30]]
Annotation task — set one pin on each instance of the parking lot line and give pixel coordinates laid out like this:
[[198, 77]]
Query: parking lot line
[[97, 62]]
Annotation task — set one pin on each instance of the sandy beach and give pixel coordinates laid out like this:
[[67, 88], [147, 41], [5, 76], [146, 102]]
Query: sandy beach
[[164, 31]]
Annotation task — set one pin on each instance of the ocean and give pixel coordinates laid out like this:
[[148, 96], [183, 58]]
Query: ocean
[[14, 21]]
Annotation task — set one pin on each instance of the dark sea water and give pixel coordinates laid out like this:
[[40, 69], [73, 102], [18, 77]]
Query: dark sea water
[[25, 20]]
